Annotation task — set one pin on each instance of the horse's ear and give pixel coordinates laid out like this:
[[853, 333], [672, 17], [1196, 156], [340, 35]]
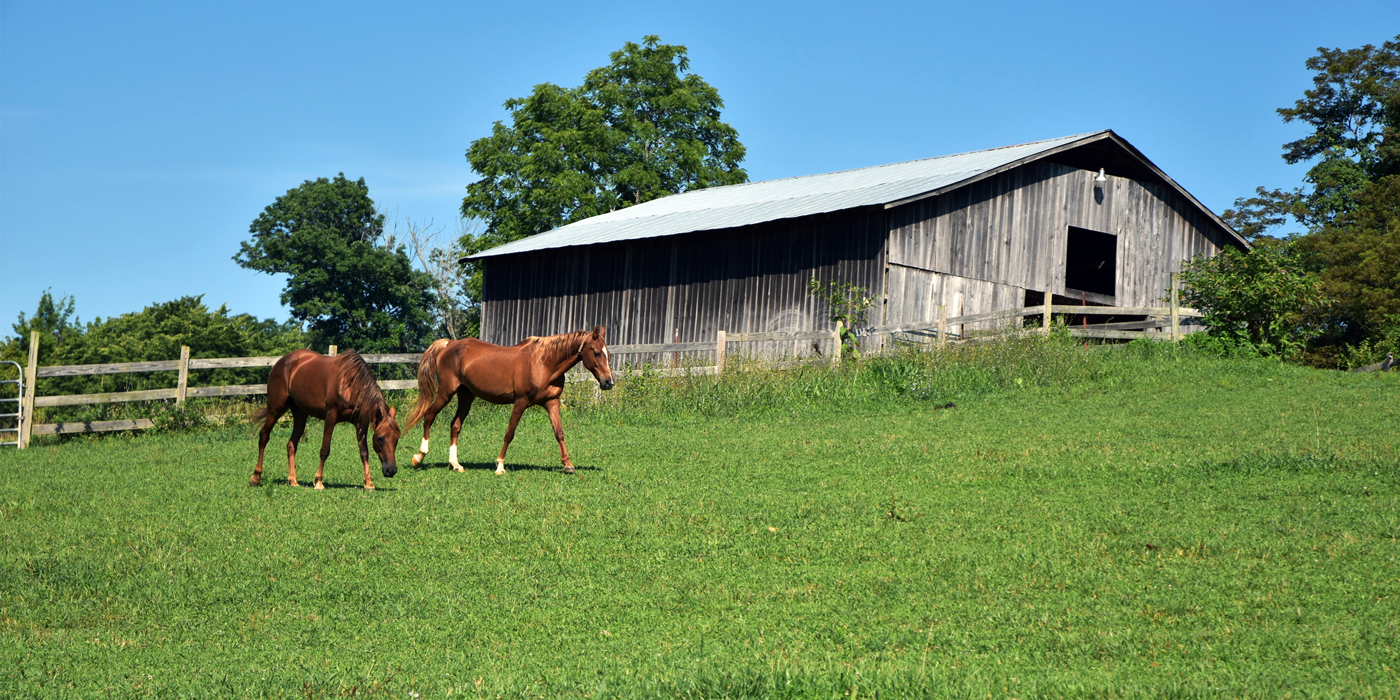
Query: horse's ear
[[600, 332], [391, 414]]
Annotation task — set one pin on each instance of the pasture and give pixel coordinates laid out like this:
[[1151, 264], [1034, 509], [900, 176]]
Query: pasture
[[1126, 522]]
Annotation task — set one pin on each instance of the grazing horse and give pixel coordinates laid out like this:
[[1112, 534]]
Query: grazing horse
[[524, 375], [333, 389]]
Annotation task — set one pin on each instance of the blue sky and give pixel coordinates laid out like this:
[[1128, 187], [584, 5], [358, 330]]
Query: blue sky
[[139, 140]]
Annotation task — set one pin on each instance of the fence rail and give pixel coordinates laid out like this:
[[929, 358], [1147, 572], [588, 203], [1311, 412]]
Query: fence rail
[[938, 330], [182, 391]]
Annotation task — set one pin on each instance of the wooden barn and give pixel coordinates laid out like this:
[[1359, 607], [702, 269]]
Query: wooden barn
[[1086, 218]]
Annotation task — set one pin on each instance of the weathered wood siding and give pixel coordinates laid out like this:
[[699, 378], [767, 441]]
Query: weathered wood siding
[[1011, 230], [914, 295], [747, 279]]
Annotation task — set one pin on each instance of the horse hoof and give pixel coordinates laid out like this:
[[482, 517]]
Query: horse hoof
[[500, 471], [293, 484], [417, 458], [458, 468], [255, 481], [320, 486], [569, 469], [369, 487]]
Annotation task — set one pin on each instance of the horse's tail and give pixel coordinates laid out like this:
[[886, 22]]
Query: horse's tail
[[258, 415], [427, 381]]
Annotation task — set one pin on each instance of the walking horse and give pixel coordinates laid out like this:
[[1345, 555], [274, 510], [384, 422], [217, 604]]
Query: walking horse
[[334, 389], [524, 375]]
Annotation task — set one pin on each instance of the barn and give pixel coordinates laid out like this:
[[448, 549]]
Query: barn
[[1085, 218]]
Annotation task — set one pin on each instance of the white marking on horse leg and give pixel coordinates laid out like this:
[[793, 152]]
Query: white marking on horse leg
[[452, 459], [500, 466], [424, 447]]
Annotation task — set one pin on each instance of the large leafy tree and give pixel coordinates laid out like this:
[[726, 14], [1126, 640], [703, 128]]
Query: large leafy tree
[[350, 285], [1348, 210], [1357, 258], [1353, 112], [642, 127]]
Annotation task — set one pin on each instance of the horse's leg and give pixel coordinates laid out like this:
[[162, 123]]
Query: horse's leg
[[552, 407], [521, 404], [464, 406], [273, 413], [429, 416], [298, 427], [362, 434], [325, 447]]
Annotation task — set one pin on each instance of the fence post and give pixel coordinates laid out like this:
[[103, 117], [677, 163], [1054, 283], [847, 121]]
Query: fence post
[[26, 419], [1176, 306], [719, 353], [1049, 299], [180, 386], [333, 351], [942, 324]]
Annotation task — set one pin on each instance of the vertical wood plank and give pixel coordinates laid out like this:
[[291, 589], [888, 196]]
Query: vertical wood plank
[[184, 380], [31, 373], [1176, 306], [719, 352], [333, 351]]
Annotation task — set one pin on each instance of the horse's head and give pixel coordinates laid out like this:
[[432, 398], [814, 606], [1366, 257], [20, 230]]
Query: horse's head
[[594, 354], [386, 440]]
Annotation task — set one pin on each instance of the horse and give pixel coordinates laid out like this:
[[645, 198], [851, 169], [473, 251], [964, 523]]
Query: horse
[[530, 373], [333, 389]]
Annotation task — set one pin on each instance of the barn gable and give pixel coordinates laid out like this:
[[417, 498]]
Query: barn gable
[[979, 232]]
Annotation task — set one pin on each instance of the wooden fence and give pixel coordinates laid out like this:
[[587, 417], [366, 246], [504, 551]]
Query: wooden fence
[[1164, 319]]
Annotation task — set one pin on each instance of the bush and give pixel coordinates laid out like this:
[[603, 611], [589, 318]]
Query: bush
[[1261, 297]]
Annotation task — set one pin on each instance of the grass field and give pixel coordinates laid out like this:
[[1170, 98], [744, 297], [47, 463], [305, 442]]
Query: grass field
[[1115, 523]]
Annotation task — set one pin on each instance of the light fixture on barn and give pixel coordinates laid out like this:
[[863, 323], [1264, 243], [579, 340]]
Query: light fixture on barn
[[1099, 183]]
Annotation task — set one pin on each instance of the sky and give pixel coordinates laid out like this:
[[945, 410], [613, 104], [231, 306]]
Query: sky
[[138, 140]]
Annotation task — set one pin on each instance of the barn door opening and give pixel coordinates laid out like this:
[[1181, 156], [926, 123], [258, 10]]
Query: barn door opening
[[1091, 265]]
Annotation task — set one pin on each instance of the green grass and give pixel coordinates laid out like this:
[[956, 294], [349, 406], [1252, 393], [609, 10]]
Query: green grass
[[800, 534]]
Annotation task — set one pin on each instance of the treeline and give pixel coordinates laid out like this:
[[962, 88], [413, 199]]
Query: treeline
[[1327, 291], [154, 333]]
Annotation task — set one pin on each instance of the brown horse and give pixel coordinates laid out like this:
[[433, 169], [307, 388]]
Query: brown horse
[[333, 389], [525, 375]]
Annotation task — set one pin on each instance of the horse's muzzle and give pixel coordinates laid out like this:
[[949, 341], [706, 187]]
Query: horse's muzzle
[[606, 384], [389, 469]]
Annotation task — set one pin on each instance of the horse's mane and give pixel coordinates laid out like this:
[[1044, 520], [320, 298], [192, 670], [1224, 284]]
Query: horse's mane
[[359, 385], [556, 346]]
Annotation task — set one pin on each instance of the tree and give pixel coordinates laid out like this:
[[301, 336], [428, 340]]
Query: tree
[[453, 310], [1348, 208], [55, 323], [1357, 258], [637, 129], [325, 236], [154, 333], [1353, 110], [846, 304]]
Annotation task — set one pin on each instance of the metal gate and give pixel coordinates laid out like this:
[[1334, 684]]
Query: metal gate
[[19, 405]]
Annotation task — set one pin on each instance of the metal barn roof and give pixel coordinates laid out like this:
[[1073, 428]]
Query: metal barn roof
[[758, 202]]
